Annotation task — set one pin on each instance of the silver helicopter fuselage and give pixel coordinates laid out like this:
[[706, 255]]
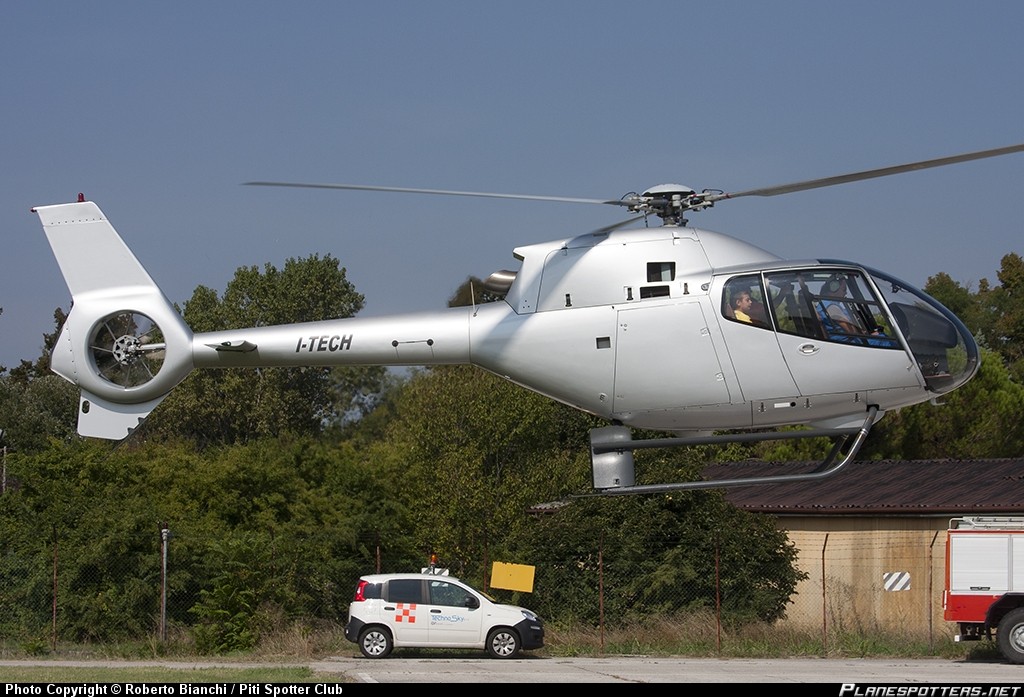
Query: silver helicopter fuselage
[[628, 325]]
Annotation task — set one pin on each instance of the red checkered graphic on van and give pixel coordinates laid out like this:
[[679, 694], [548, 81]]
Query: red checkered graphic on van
[[406, 612]]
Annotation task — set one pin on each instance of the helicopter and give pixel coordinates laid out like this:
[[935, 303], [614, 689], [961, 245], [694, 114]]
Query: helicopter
[[669, 328]]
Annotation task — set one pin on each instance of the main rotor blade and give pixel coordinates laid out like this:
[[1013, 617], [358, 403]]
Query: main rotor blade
[[445, 192], [869, 174]]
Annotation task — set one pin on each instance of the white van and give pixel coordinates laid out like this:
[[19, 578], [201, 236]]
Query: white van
[[425, 610]]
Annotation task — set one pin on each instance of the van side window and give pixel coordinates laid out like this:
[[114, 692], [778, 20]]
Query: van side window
[[405, 591], [443, 593]]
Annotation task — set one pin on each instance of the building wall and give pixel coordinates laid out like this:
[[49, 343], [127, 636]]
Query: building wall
[[847, 560]]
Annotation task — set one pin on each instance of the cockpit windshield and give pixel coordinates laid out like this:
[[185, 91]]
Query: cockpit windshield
[[943, 348]]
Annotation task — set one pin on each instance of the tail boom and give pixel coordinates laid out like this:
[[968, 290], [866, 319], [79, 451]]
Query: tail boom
[[427, 338], [126, 347]]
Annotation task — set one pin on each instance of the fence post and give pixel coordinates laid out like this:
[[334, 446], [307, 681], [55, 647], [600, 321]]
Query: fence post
[[53, 620], [165, 535], [718, 599], [931, 589], [600, 587], [824, 602]]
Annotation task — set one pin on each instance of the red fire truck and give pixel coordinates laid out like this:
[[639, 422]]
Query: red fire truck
[[985, 581]]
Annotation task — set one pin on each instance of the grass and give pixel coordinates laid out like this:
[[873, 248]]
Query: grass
[[283, 655], [160, 674], [697, 637]]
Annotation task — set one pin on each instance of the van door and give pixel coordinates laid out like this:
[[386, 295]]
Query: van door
[[455, 616], [405, 612]]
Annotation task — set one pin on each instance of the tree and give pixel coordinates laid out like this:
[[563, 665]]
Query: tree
[[28, 370], [241, 404], [35, 404], [658, 555], [35, 412], [979, 420], [472, 452], [1009, 324], [994, 314]]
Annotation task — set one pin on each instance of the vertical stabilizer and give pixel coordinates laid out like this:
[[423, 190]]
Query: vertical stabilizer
[[123, 343]]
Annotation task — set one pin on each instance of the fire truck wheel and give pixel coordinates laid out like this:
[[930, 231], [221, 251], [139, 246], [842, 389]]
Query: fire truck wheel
[[1011, 636]]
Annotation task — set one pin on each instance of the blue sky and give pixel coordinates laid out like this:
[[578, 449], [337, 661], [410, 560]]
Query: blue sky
[[159, 111]]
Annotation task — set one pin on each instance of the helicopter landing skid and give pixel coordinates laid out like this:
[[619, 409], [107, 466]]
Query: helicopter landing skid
[[611, 450]]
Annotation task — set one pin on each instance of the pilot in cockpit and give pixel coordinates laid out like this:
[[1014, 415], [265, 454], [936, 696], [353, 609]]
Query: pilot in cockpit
[[840, 321], [835, 310]]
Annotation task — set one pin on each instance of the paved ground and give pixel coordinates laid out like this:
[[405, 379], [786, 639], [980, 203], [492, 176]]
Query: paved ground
[[633, 669]]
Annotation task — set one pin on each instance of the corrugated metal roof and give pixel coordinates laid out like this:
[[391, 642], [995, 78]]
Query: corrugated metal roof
[[890, 487]]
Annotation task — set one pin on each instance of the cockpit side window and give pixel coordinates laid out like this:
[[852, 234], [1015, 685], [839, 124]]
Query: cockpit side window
[[743, 301], [831, 305]]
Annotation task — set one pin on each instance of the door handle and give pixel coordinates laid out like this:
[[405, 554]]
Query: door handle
[[808, 349]]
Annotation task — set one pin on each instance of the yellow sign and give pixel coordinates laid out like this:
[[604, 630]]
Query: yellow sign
[[513, 577]]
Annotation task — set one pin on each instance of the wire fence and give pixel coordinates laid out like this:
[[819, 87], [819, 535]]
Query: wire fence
[[50, 595]]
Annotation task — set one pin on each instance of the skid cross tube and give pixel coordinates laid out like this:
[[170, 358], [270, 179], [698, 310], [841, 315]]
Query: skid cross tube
[[854, 436]]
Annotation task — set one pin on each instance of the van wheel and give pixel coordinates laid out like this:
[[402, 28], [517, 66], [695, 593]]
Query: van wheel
[[1010, 636], [503, 643], [375, 642]]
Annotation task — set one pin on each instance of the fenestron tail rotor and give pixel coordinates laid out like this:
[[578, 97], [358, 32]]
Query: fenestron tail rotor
[[127, 349]]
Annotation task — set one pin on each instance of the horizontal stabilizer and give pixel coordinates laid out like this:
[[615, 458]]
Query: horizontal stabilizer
[[99, 418]]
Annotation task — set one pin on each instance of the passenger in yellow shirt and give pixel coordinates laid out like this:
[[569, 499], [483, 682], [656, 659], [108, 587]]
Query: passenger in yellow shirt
[[741, 305]]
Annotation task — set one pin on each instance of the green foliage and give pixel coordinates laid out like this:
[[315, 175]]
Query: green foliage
[[652, 556], [35, 404], [29, 370], [979, 420], [472, 453], [475, 454], [35, 411], [228, 611], [265, 530], [51, 520], [241, 404], [995, 315]]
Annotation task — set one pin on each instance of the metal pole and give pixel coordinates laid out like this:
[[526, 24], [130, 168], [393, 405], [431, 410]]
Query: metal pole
[[164, 535], [931, 576], [600, 587], [53, 626], [718, 600], [824, 599]]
